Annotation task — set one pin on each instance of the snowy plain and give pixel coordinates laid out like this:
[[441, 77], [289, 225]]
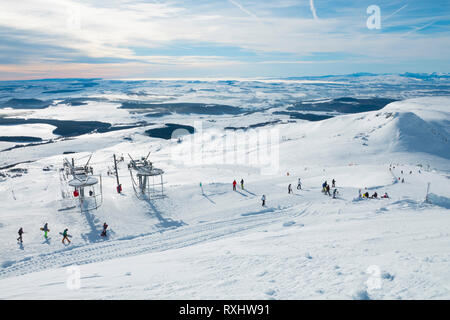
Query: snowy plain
[[210, 242]]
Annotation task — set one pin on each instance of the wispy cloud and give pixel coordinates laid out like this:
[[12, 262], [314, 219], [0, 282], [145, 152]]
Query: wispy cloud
[[420, 28], [133, 37], [243, 9], [313, 9], [395, 12]]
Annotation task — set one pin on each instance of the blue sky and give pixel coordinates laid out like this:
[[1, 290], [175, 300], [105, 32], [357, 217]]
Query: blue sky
[[219, 38]]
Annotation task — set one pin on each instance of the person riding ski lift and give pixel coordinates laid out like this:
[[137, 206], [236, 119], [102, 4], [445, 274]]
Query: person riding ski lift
[[76, 193]]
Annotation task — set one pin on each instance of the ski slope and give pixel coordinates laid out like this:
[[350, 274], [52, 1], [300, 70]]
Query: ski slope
[[217, 243]]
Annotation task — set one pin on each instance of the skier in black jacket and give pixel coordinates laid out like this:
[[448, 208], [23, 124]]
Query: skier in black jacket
[[105, 226], [20, 232]]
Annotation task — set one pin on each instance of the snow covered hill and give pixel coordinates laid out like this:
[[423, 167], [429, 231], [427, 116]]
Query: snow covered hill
[[213, 242]]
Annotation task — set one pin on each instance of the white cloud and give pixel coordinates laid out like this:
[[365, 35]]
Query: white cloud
[[112, 29]]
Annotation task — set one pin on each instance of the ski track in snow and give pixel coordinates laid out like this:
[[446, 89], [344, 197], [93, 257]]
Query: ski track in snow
[[153, 242]]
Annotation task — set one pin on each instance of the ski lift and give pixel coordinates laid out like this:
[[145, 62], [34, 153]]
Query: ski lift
[[87, 186], [144, 177]]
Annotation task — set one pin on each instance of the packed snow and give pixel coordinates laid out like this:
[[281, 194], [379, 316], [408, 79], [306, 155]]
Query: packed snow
[[205, 241]]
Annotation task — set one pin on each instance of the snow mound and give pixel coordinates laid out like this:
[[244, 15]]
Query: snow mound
[[416, 125], [440, 201]]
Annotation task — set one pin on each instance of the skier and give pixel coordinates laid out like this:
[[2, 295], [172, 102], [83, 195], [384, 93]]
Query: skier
[[105, 226], [385, 195], [299, 184], [20, 232], [366, 195], [45, 229], [324, 187], [334, 193], [263, 198], [234, 185], [289, 188], [333, 183], [375, 195], [242, 184], [328, 190], [403, 180], [119, 188], [65, 236]]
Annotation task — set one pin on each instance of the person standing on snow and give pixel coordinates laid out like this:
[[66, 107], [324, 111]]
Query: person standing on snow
[[234, 185], [289, 188], [105, 226], [328, 190], [20, 232], [45, 229], [263, 199], [333, 183], [242, 184], [324, 187], [334, 193], [65, 236], [299, 184]]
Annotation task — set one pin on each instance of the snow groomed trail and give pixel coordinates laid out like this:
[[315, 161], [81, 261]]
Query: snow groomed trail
[[146, 243]]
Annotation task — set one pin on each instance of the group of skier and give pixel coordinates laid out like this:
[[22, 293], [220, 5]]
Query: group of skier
[[64, 234], [234, 184], [373, 196], [299, 186], [326, 188]]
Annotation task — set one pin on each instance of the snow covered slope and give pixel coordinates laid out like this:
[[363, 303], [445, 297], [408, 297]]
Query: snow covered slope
[[218, 243]]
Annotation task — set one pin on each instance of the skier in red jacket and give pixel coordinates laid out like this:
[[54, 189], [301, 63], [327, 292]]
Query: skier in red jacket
[[234, 185]]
